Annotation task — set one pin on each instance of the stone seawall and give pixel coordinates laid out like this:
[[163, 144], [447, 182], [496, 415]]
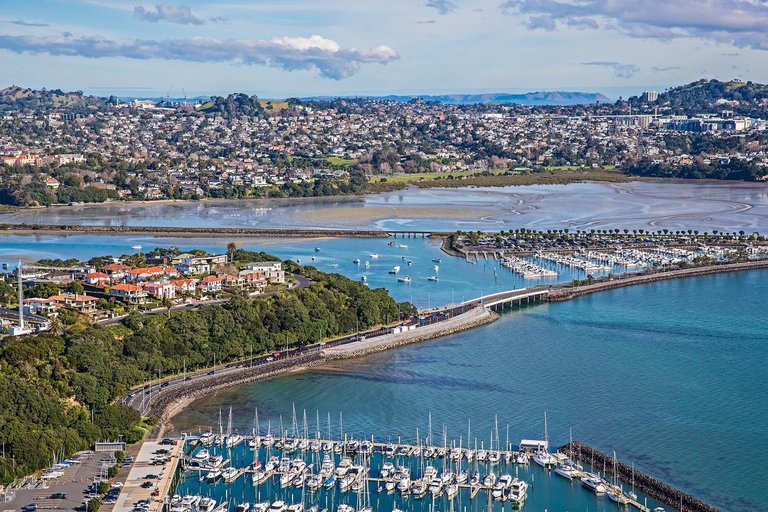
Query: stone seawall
[[563, 294], [183, 231], [419, 335], [173, 401], [648, 485]]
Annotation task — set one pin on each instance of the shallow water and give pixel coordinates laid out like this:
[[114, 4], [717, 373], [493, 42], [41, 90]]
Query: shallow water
[[699, 205]]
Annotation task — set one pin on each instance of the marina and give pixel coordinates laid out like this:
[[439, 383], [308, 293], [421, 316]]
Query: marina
[[359, 474]]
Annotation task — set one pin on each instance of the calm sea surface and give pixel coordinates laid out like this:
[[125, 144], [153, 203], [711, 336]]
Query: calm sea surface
[[672, 376]]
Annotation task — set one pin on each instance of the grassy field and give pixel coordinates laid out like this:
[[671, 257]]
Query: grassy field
[[277, 105], [424, 176], [333, 160], [550, 176]]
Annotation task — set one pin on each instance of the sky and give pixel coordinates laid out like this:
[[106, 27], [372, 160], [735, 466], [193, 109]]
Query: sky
[[283, 48]]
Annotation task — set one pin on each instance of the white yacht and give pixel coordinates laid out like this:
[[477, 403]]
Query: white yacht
[[374, 256], [206, 505], [451, 490], [213, 474], [436, 488], [345, 508], [214, 461], [521, 458], [229, 474], [296, 507], [260, 507], [567, 470], [544, 459], [243, 507], [517, 491], [278, 506], [594, 483], [405, 279], [490, 480], [201, 456]]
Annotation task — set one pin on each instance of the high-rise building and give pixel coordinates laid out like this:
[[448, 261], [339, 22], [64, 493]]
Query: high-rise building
[[650, 96]]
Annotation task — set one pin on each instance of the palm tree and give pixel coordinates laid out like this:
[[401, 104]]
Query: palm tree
[[231, 248]]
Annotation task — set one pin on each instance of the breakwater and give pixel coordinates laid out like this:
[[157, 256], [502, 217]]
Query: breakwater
[[559, 293], [646, 484], [188, 231]]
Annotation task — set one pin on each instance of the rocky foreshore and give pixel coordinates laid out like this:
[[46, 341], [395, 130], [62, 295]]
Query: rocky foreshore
[[648, 485]]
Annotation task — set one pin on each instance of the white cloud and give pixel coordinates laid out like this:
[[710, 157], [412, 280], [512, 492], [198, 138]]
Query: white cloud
[[288, 53], [180, 14], [619, 70], [743, 23]]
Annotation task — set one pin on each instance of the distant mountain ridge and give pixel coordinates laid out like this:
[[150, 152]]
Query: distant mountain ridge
[[530, 98]]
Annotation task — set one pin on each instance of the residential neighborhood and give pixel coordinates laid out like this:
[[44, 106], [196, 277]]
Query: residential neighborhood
[[113, 289]]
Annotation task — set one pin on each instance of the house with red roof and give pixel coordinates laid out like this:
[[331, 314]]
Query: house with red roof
[[129, 292], [97, 279]]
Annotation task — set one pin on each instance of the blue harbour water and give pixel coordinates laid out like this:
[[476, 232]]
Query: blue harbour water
[[672, 375]]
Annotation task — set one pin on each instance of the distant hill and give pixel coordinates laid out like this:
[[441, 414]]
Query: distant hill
[[714, 96], [531, 98], [16, 97]]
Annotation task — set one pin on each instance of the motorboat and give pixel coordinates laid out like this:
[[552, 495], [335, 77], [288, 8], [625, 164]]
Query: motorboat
[[260, 507], [518, 490], [403, 246], [229, 474], [419, 489], [317, 249], [469, 454], [494, 456], [395, 270], [475, 480], [329, 482], [433, 278], [404, 279], [451, 490], [447, 476], [594, 483], [544, 459], [215, 461], [367, 264], [213, 474], [387, 470], [374, 256], [389, 450], [296, 507], [278, 506], [436, 488], [243, 507], [201, 456], [462, 476], [206, 505], [356, 261], [435, 268], [521, 458], [137, 247], [315, 482], [567, 470], [490, 480]]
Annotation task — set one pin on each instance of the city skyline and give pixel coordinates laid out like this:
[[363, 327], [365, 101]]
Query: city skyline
[[437, 46]]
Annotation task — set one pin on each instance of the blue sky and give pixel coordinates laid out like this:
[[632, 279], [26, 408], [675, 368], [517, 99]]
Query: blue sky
[[279, 48]]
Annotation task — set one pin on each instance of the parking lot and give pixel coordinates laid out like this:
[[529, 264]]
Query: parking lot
[[144, 472], [75, 480]]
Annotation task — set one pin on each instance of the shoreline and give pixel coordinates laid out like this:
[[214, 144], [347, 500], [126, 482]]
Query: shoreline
[[169, 405]]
